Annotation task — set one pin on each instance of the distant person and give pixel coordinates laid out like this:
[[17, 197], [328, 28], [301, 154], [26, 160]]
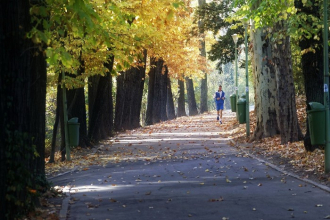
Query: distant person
[[219, 98]]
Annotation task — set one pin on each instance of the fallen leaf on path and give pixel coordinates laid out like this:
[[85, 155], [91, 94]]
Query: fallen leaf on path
[[113, 200], [216, 200]]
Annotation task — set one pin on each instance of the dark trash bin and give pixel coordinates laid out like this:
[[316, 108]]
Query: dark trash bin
[[73, 131], [233, 102], [241, 110], [316, 122]]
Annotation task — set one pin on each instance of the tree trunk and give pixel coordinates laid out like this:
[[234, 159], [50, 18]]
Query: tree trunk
[[129, 97], [203, 106], [192, 106], [264, 87], [157, 102], [22, 110], [156, 107], [38, 109], [100, 105], [163, 93], [312, 66], [181, 100], [170, 103], [151, 88], [286, 110], [203, 100], [61, 116], [77, 108], [55, 127]]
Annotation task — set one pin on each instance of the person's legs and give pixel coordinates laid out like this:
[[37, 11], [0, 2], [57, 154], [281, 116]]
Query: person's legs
[[218, 111]]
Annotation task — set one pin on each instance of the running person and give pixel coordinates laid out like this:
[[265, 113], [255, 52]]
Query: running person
[[219, 98]]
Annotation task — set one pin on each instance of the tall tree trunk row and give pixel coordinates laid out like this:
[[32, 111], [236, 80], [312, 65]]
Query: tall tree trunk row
[[130, 86]]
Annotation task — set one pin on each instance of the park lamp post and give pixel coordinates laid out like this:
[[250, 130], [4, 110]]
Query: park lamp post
[[245, 23], [235, 38], [326, 86]]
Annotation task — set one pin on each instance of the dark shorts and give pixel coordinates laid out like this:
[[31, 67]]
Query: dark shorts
[[219, 106]]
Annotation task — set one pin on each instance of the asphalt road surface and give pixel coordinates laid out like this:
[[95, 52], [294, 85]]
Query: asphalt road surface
[[186, 169]]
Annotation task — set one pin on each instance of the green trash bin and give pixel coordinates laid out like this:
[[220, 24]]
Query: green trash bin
[[316, 122], [241, 110], [243, 96], [233, 102], [73, 130]]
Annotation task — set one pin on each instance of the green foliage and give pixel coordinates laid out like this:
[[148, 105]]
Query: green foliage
[[301, 24], [297, 68], [51, 101], [213, 17], [264, 13], [303, 19]]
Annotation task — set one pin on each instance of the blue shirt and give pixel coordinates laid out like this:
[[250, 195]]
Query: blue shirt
[[218, 95]]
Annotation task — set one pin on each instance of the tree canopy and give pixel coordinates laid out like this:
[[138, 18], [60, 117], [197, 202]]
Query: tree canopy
[[89, 32]]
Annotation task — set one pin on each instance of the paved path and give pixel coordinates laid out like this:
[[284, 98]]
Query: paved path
[[185, 169]]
